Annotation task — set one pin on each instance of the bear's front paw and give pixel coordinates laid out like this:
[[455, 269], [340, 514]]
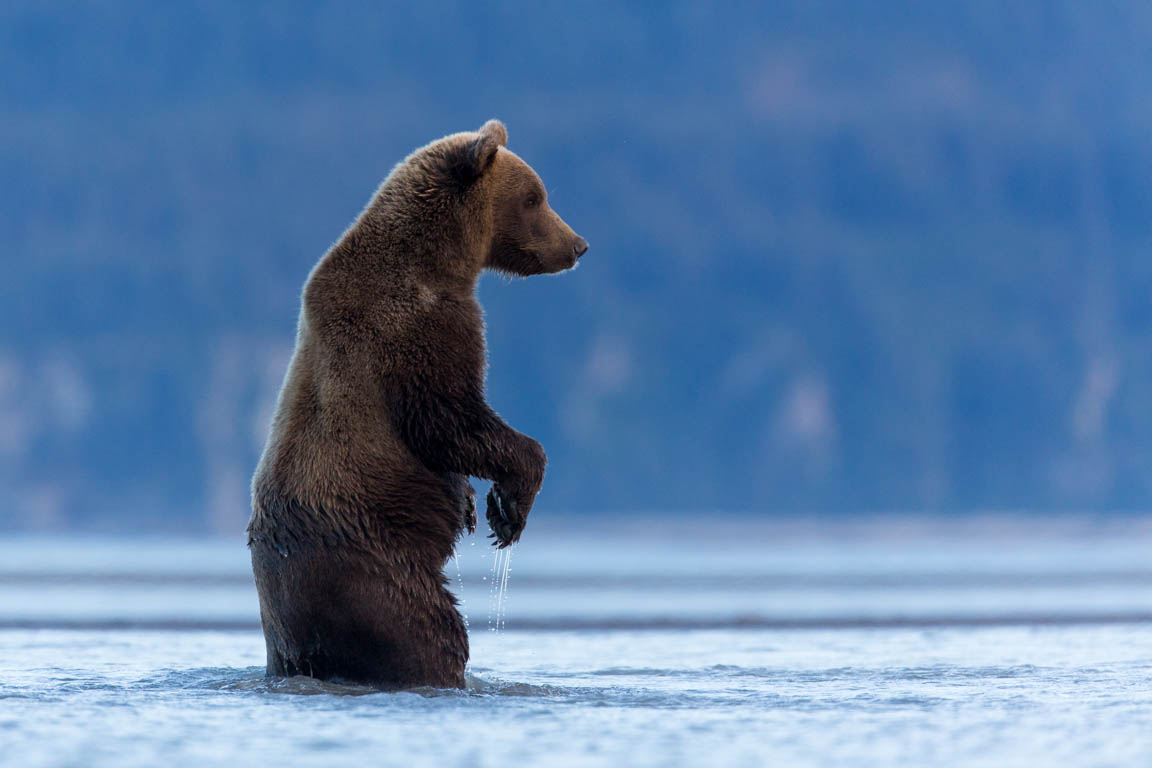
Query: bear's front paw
[[504, 517], [469, 512], [465, 497]]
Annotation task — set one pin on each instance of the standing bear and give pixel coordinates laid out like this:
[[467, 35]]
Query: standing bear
[[363, 488]]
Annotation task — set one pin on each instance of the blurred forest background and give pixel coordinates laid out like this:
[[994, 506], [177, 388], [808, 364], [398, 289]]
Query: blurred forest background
[[846, 257]]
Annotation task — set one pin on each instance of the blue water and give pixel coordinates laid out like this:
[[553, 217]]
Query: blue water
[[896, 642]]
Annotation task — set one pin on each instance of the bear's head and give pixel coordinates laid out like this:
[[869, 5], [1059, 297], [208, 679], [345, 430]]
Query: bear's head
[[527, 236]]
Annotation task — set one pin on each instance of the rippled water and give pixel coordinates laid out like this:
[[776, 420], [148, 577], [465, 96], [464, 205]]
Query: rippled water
[[911, 677], [1002, 696]]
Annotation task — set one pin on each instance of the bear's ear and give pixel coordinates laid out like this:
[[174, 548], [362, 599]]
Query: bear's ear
[[474, 157], [496, 130]]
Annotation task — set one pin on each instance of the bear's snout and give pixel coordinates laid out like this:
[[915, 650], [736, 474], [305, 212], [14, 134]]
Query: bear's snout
[[580, 247]]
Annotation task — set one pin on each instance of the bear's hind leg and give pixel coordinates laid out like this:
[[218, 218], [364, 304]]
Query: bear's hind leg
[[401, 636]]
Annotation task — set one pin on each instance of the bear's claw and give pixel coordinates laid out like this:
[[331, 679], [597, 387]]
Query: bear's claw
[[504, 518]]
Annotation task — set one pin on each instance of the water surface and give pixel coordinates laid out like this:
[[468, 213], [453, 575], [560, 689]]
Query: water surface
[[900, 643]]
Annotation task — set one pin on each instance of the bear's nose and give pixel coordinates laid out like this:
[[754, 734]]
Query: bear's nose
[[580, 247]]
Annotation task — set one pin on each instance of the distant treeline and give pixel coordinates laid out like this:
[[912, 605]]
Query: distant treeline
[[845, 256]]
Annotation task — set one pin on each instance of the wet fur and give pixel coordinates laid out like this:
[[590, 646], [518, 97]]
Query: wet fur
[[362, 489]]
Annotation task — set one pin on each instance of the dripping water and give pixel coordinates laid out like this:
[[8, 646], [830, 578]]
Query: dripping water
[[493, 586], [498, 588], [460, 589], [504, 587], [501, 566]]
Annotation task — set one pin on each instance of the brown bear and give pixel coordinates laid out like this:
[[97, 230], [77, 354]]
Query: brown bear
[[362, 489]]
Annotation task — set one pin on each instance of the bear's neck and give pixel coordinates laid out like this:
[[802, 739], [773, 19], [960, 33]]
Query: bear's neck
[[444, 251]]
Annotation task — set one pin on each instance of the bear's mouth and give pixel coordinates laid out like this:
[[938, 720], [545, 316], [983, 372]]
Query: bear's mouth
[[556, 264], [570, 263]]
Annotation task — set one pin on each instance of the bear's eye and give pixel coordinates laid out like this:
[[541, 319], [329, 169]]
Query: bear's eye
[[532, 200]]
